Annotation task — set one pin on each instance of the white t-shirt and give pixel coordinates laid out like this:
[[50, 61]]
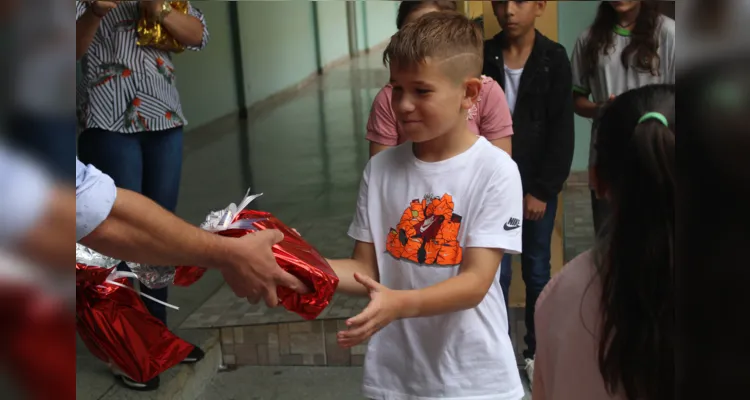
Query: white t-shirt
[[611, 76], [512, 81], [420, 216]]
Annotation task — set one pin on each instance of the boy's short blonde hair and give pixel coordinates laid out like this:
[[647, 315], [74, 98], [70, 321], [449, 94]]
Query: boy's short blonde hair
[[449, 38]]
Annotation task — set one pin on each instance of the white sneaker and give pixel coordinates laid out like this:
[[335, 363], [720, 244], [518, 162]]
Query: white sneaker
[[530, 371]]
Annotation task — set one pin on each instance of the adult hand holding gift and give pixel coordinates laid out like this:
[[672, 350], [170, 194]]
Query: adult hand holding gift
[[127, 226], [292, 253]]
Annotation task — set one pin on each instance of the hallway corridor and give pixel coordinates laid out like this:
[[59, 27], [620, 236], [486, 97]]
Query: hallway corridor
[[306, 153]]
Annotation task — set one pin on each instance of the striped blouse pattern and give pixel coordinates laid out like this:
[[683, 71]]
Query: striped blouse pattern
[[125, 87]]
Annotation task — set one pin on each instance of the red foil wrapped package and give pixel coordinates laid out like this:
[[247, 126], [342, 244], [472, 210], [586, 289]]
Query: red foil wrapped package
[[115, 325], [186, 276], [293, 254], [27, 349]]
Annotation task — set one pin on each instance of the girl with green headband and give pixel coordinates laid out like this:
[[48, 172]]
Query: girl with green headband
[[629, 45], [605, 323]]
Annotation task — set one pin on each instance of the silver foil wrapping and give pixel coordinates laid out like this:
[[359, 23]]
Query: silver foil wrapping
[[153, 276], [89, 257], [157, 277]]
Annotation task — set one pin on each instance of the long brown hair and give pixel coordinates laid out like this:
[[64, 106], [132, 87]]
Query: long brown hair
[[635, 258], [642, 51]]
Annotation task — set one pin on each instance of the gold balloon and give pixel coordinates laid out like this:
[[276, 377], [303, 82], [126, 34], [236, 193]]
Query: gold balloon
[[153, 34]]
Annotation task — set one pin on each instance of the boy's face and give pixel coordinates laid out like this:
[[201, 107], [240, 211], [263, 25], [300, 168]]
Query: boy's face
[[429, 103], [518, 17], [624, 6]]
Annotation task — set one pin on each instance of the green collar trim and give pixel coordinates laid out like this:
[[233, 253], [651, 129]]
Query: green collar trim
[[621, 31]]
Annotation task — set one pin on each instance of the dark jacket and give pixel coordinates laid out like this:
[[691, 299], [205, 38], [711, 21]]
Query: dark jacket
[[543, 129]]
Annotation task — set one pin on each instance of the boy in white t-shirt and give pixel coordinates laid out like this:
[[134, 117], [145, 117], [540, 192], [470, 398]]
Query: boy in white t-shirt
[[434, 217]]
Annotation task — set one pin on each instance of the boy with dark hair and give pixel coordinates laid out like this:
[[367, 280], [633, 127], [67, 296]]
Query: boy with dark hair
[[411, 10], [429, 231], [535, 75]]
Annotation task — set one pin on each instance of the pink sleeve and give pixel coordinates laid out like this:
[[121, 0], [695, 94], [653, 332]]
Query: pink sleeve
[[381, 125], [495, 121], [541, 362]]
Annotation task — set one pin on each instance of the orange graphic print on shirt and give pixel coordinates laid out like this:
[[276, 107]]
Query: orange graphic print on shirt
[[427, 233]]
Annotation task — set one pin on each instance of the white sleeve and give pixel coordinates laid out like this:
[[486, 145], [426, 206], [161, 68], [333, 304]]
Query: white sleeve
[[360, 226], [195, 12], [580, 84], [95, 196], [670, 43], [26, 191], [499, 222]]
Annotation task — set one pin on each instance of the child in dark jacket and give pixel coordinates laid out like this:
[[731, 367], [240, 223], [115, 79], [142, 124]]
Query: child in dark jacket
[[535, 75]]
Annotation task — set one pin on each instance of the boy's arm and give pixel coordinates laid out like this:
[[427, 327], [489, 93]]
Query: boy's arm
[[363, 262], [461, 292], [464, 291], [494, 228], [583, 106], [560, 137]]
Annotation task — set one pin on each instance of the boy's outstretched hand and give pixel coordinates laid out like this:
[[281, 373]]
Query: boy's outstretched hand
[[385, 306]]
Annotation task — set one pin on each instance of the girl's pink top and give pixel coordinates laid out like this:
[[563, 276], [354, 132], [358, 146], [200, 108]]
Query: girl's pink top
[[568, 322], [489, 117]]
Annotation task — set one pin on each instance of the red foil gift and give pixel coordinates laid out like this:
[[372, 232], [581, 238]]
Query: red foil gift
[[186, 276], [115, 325], [36, 359], [293, 254]]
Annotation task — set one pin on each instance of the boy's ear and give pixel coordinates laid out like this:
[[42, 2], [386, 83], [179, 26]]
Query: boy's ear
[[540, 7], [472, 88]]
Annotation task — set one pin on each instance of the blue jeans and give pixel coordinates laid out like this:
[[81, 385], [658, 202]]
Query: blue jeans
[[149, 163], [535, 267]]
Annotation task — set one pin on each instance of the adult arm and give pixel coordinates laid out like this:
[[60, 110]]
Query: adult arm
[[559, 145], [88, 18], [189, 29], [128, 226]]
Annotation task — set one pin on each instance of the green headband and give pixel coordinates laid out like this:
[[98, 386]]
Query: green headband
[[655, 115]]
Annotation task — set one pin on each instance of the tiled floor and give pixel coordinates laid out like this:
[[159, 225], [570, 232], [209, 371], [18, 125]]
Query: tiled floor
[[308, 343], [293, 383], [579, 223]]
